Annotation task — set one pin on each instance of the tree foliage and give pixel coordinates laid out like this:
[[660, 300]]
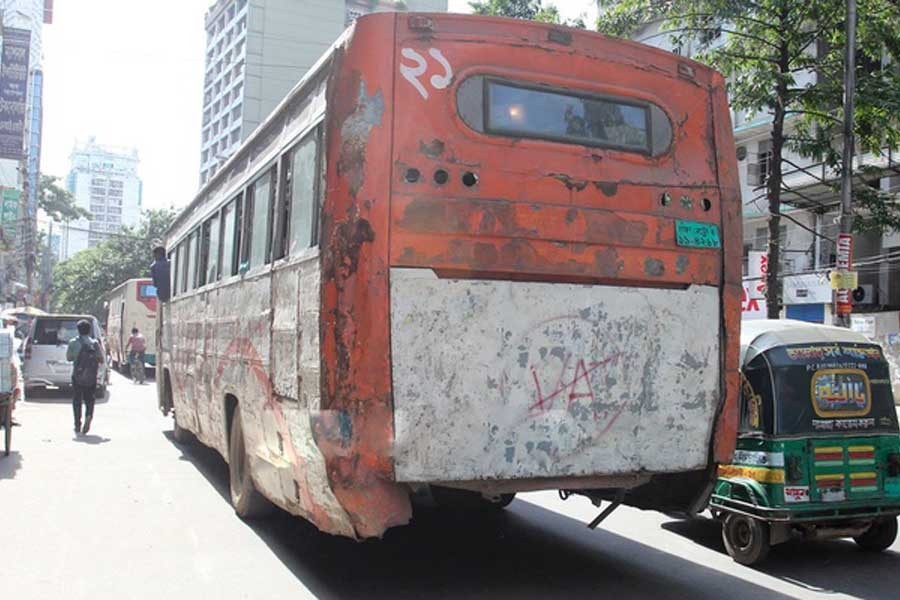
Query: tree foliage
[[81, 282], [58, 202], [533, 10], [784, 59]]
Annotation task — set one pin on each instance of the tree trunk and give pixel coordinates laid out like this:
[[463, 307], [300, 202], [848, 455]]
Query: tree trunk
[[773, 184]]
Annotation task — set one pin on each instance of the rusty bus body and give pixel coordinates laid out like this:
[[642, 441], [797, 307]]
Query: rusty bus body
[[468, 307]]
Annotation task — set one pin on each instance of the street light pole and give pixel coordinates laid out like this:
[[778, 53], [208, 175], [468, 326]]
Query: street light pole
[[843, 300]]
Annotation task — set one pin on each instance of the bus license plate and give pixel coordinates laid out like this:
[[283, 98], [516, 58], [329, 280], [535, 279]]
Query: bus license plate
[[695, 234]]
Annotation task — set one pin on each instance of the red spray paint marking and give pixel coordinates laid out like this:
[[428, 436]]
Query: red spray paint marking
[[582, 376]]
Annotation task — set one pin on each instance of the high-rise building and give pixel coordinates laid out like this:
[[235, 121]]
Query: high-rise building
[[21, 93], [104, 181], [256, 50]]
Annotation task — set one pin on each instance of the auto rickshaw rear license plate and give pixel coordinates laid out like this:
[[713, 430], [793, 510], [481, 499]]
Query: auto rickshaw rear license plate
[[695, 234]]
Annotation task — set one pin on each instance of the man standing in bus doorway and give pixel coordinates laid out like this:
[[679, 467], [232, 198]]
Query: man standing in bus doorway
[[84, 352], [159, 272], [138, 344]]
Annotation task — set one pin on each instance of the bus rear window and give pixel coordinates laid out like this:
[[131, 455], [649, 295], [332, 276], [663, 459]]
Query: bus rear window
[[516, 109], [147, 291]]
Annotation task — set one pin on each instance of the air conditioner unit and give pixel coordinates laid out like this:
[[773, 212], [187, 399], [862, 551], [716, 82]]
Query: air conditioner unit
[[864, 294]]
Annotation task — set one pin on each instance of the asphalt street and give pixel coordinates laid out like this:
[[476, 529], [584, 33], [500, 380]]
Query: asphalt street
[[124, 512]]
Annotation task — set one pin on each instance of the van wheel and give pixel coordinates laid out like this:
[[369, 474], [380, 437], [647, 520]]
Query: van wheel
[[880, 536], [247, 501], [746, 539]]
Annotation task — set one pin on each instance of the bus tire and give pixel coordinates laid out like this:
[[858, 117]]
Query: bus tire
[[880, 536], [746, 539], [247, 501]]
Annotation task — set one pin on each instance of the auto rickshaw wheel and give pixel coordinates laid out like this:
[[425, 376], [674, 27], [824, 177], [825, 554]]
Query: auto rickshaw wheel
[[880, 536], [746, 539]]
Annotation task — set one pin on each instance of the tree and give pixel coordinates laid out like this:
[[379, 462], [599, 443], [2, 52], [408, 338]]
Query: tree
[[57, 202], [523, 9], [81, 282], [762, 47]]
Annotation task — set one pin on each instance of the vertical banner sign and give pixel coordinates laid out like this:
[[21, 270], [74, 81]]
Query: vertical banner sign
[[844, 260], [9, 211], [757, 267], [13, 91]]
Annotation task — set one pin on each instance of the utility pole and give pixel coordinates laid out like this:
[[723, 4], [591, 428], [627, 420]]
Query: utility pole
[[843, 303]]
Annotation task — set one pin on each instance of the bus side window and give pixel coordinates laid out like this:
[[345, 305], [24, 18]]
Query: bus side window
[[203, 254], [183, 266], [238, 234], [283, 209], [193, 258], [247, 230], [304, 183], [173, 261], [229, 237], [260, 201], [213, 226]]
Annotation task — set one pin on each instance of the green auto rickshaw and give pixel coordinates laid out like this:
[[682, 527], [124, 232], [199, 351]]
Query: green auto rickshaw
[[818, 448]]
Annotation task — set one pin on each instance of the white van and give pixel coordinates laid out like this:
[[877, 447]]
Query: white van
[[44, 361]]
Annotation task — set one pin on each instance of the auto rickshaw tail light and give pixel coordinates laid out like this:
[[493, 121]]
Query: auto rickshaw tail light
[[893, 464], [794, 469]]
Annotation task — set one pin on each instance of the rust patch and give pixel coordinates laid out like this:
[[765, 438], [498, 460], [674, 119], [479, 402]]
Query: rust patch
[[355, 131], [571, 184], [608, 263], [681, 264], [609, 188], [432, 149], [654, 267], [610, 227]]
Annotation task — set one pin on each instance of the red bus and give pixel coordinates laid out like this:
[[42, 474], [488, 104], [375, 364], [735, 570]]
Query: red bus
[[469, 255]]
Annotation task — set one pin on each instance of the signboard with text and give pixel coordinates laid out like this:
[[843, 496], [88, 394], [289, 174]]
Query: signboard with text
[[9, 211], [13, 91], [757, 267], [844, 260]]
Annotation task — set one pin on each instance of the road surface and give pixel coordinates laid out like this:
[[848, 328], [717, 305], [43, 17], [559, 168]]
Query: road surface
[[124, 512]]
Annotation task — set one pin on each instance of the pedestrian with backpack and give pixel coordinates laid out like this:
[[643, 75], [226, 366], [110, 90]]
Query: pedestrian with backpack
[[84, 352]]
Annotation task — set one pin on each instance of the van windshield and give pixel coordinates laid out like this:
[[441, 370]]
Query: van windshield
[[51, 332]]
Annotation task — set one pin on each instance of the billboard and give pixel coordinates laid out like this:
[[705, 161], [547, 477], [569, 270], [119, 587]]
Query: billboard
[[13, 91]]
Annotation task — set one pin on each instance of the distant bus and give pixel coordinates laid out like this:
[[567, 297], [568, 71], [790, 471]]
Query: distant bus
[[469, 255], [131, 304]]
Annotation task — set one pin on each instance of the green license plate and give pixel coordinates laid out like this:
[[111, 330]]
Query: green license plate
[[697, 235]]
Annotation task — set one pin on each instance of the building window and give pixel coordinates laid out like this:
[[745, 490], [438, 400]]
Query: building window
[[113, 210], [758, 171], [98, 208], [116, 185], [98, 182], [115, 193]]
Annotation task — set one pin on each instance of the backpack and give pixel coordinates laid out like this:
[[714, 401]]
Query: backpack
[[87, 365]]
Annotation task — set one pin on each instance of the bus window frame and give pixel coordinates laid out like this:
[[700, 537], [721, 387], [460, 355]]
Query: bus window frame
[[247, 258], [203, 252], [483, 106], [286, 191], [173, 262]]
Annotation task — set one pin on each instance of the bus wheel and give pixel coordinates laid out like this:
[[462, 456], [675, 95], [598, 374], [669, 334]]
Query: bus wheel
[[746, 539], [879, 537], [247, 501]]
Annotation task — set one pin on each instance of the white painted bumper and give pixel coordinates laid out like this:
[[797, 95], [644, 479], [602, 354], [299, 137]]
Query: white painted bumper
[[512, 380]]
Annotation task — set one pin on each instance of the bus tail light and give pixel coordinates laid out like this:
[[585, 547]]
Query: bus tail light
[[27, 352]]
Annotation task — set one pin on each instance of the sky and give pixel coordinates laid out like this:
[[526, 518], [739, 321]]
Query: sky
[[130, 73]]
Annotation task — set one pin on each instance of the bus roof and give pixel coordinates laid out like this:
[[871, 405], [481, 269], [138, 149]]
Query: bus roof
[[323, 61], [124, 283], [765, 334]]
